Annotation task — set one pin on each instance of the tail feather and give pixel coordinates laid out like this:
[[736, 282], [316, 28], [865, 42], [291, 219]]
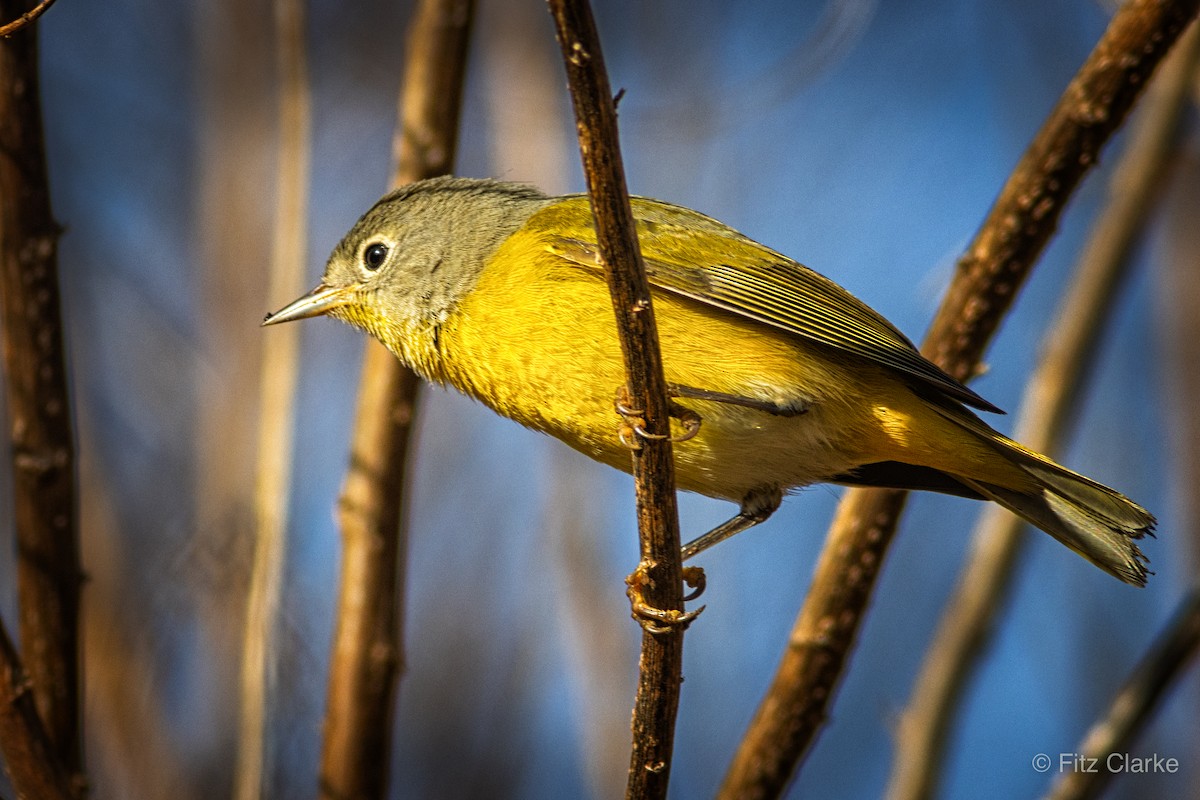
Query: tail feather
[[1101, 502], [1103, 532], [1095, 521]]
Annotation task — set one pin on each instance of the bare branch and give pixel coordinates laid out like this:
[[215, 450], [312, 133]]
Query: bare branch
[[9, 28], [39, 407], [989, 275], [653, 468], [29, 756], [367, 644]]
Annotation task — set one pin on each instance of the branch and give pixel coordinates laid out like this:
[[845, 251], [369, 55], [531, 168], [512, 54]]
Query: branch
[[9, 28], [39, 407], [367, 646], [277, 392], [1050, 396], [989, 275], [30, 757], [1135, 704], [660, 569]]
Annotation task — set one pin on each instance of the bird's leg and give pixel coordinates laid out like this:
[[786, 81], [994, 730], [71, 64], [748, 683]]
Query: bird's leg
[[792, 408], [634, 423], [657, 620], [757, 506]]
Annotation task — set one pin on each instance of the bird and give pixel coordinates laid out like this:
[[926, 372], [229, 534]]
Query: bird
[[783, 378]]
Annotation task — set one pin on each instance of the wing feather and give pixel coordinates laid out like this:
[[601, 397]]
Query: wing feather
[[741, 276]]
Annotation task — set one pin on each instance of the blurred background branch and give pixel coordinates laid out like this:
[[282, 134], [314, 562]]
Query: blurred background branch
[[988, 278], [1133, 707], [277, 391], [368, 647]]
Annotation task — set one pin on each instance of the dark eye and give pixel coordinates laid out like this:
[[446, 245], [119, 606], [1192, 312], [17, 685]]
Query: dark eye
[[374, 256]]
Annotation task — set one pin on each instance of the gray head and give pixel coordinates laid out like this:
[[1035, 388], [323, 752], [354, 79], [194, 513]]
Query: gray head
[[408, 260]]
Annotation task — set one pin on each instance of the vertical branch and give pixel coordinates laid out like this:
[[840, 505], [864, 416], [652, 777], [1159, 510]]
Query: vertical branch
[[367, 646], [238, 150], [653, 469], [1052, 392], [29, 756], [276, 401], [431, 97], [39, 408], [989, 275]]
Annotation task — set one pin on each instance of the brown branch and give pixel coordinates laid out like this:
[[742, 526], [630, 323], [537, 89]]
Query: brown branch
[[660, 569], [9, 28], [39, 408], [653, 468], [367, 647], [989, 276], [1134, 704], [1050, 396], [29, 756]]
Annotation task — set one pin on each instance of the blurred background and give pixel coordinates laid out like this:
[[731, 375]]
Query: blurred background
[[866, 139]]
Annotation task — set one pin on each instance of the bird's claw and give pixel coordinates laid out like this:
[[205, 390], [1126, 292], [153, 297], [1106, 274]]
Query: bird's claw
[[634, 422], [662, 620]]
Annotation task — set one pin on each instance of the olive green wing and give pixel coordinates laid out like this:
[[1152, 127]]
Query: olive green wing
[[739, 275]]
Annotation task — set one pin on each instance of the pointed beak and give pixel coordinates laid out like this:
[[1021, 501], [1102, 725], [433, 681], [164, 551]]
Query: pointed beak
[[320, 300]]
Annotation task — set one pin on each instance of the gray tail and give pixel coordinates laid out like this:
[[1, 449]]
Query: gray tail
[[1091, 519], [1100, 524]]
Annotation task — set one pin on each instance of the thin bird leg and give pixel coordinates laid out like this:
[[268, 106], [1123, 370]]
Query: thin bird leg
[[757, 506], [791, 409], [634, 423]]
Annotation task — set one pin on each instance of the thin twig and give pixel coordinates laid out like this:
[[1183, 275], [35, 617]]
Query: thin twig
[[277, 408], [653, 468], [989, 276], [1105, 749], [1051, 394], [9, 28], [29, 757], [39, 407], [367, 646]]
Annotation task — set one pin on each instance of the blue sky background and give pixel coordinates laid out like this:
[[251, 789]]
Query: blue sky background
[[865, 139]]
